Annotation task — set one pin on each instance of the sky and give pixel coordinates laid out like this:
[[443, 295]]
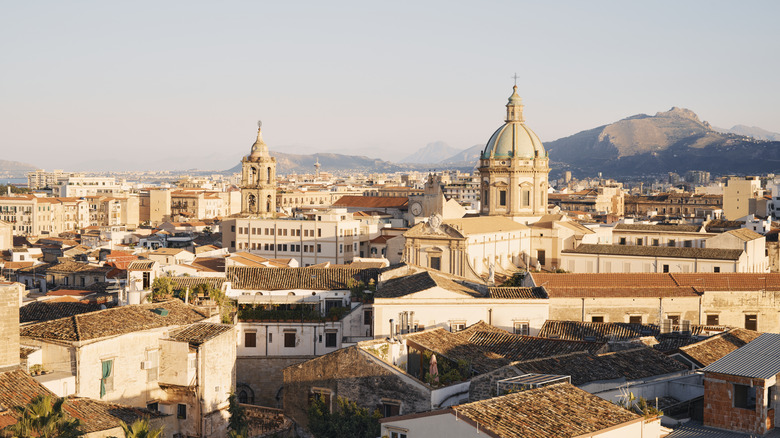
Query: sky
[[149, 85]]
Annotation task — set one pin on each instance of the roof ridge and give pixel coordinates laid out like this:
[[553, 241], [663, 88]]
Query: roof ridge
[[76, 327], [674, 279]]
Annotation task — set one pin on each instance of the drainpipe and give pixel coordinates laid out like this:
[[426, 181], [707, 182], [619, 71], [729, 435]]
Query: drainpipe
[[490, 316], [583, 309]]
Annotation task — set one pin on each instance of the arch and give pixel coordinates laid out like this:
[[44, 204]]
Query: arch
[[251, 201], [252, 174], [268, 204], [246, 391]]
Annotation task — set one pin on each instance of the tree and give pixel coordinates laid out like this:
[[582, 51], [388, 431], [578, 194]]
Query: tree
[[225, 304], [348, 420], [162, 288], [237, 424], [140, 429], [45, 417]]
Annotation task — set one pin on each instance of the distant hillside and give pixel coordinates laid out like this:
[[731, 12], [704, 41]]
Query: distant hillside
[[751, 131], [468, 157], [431, 153], [672, 141], [292, 163], [15, 169]]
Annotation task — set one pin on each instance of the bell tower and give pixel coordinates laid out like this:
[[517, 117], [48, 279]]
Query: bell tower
[[258, 179]]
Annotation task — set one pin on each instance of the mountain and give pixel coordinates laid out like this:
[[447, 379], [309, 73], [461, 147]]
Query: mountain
[[671, 141], [431, 153], [465, 157], [15, 169], [294, 163], [751, 131]]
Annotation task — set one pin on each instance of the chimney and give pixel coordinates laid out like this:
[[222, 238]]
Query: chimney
[[9, 325]]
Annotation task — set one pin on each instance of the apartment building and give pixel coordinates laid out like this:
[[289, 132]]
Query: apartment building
[[332, 236]]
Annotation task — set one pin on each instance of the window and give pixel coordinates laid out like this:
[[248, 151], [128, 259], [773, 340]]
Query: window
[[744, 396], [368, 316], [146, 280], [713, 320], [319, 248], [540, 257], [181, 411], [521, 328], [250, 339], [394, 434], [635, 319], [502, 197], [751, 322], [666, 268], [456, 326], [321, 394], [526, 198], [436, 263], [154, 406], [319, 232], [656, 242], [153, 362], [622, 241], [688, 243], [390, 408], [107, 378], [289, 339], [716, 269], [639, 241], [330, 339], [596, 319], [670, 242], [674, 318]]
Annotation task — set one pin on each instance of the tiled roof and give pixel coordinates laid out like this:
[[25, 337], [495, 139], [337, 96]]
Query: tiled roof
[[625, 292], [39, 311], [190, 282], [583, 367], [660, 227], [96, 415], [598, 331], [167, 251], [559, 410], [209, 264], [517, 292], [17, 388], [602, 280], [197, 334], [141, 265], [455, 346], [372, 201], [729, 281], [409, 284], [69, 266], [253, 278], [114, 322], [518, 347], [715, 347], [745, 234], [17, 265], [657, 251]]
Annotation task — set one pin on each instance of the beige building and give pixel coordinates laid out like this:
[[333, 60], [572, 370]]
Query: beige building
[[550, 236], [752, 243], [740, 197], [432, 201], [162, 355], [674, 235], [513, 169], [738, 300], [332, 236], [6, 235], [468, 247]]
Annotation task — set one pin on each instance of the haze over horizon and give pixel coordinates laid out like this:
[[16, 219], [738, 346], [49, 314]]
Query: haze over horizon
[[181, 85]]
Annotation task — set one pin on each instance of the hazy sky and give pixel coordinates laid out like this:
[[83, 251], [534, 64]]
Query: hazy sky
[[155, 85]]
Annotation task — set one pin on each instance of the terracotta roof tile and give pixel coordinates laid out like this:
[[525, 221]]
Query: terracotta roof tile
[[96, 416], [517, 292], [715, 347], [661, 228], [518, 347], [39, 311], [372, 201], [410, 284], [197, 334], [559, 410], [114, 322], [657, 251], [253, 278]]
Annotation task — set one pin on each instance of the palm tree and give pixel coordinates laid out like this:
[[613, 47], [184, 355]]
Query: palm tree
[[45, 418], [140, 429]]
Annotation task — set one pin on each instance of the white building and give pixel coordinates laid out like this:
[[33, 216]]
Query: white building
[[332, 236]]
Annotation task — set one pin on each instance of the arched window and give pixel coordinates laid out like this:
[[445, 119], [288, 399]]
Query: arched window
[[243, 397], [268, 177]]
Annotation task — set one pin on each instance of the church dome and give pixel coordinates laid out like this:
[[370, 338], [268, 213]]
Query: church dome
[[514, 139]]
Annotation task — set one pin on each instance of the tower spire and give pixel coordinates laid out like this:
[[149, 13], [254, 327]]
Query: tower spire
[[514, 108], [259, 149]]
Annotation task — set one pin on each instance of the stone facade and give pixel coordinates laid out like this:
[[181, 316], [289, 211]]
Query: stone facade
[[261, 378], [483, 387], [9, 324], [720, 410], [353, 374]]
